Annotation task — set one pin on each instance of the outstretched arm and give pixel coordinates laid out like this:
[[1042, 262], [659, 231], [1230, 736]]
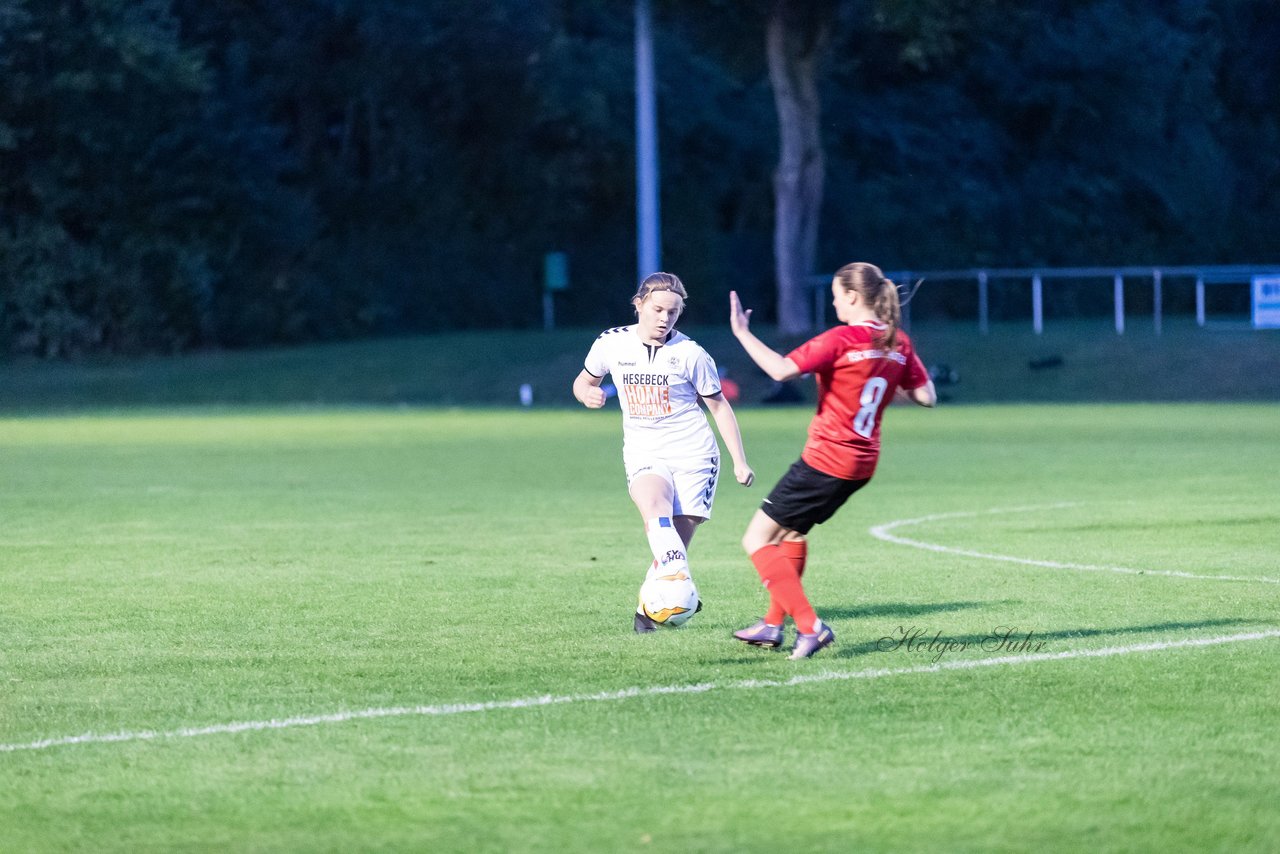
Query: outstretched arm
[[727, 424], [773, 363], [586, 388]]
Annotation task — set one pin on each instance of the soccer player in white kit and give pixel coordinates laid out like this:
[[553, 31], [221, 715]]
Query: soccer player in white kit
[[669, 452]]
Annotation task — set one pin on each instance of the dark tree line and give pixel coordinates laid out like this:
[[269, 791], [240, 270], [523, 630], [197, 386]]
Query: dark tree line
[[178, 174]]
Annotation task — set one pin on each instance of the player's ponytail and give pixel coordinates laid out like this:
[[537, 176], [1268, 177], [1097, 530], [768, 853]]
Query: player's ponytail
[[880, 294]]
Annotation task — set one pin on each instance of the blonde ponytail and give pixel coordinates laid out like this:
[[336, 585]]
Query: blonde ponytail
[[880, 294]]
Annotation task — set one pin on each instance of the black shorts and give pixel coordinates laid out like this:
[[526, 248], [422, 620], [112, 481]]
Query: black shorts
[[805, 497]]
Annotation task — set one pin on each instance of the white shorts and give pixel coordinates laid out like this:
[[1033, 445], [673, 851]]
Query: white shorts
[[693, 481]]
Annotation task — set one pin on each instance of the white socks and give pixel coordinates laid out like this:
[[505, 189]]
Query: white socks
[[667, 547]]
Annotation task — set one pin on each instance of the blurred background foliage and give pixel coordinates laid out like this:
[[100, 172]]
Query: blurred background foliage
[[177, 174]]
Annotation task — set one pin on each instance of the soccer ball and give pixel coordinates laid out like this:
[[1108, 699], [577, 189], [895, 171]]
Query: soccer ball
[[669, 600]]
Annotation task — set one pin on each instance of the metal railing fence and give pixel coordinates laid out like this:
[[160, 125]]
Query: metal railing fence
[[1037, 276]]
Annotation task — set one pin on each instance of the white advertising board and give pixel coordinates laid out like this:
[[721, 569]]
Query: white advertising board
[[1266, 302]]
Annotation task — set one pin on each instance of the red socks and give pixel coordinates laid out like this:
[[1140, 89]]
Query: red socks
[[796, 552], [780, 567]]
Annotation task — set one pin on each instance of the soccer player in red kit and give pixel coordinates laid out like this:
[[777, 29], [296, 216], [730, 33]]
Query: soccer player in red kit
[[859, 366]]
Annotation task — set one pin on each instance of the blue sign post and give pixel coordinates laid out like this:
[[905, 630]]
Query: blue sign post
[[555, 277]]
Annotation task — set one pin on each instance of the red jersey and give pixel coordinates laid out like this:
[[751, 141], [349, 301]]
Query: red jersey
[[856, 377]]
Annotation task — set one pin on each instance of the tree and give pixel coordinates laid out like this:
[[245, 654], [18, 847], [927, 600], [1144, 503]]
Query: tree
[[99, 98], [128, 196], [178, 174], [796, 37]]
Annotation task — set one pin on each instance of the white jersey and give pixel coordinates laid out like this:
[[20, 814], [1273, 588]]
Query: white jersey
[[658, 389]]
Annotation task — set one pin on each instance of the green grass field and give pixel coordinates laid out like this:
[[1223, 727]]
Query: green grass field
[[409, 629]]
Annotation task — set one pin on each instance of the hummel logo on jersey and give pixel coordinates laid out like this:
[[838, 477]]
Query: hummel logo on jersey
[[623, 364]]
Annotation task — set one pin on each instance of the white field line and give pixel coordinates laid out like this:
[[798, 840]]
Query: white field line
[[881, 532], [627, 693]]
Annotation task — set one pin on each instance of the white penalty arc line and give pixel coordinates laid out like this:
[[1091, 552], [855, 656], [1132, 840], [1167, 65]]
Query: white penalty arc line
[[627, 693], [881, 532]]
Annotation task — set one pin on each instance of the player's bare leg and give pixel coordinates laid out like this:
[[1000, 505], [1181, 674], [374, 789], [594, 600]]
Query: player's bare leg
[[668, 535], [687, 526], [762, 531], [653, 495]]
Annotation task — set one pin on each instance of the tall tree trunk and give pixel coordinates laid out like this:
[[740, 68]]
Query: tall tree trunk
[[795, 38]]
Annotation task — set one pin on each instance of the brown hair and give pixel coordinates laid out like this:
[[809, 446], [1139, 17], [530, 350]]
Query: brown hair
[[881, 295], [659, 282]]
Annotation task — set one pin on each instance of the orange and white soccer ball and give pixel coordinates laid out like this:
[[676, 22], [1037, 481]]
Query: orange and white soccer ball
[[669, 600]]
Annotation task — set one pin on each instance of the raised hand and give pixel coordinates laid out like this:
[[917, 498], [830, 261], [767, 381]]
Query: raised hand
[[739, 320]]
